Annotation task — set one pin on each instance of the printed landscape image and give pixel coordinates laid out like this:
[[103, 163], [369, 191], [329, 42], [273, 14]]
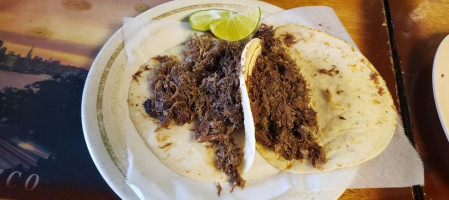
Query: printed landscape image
[[40, 126], [46, 50]]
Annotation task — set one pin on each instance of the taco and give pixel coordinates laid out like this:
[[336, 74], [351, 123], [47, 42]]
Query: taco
[[187, 106], [318, 104]]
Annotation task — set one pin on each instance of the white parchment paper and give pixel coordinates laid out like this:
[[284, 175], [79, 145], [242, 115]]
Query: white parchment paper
[[398, 166]]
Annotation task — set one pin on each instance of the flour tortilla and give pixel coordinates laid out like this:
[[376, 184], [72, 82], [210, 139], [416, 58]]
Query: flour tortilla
[[175, 147], [370, 119]]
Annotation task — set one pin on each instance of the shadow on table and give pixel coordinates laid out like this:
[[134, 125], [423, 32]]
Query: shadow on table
[[432, 143]]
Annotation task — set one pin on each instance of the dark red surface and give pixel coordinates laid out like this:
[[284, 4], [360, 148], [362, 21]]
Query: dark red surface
[[419, 28]]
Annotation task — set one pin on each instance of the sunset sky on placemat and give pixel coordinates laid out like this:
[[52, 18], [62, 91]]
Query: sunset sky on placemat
[[72, 31]]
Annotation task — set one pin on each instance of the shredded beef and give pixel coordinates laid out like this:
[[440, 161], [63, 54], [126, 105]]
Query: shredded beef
[[279, 103], [218, 189], [289, 39], [330, 72], [203, 86]]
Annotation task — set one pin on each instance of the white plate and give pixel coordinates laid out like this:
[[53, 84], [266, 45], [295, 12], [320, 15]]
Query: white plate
[[440, 81], [104, 114]]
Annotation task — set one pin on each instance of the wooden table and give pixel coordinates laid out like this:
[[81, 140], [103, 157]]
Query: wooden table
[[419, 27], [399, 37]]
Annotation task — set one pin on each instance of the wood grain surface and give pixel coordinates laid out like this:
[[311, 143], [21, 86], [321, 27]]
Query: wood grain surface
[[420, 26]]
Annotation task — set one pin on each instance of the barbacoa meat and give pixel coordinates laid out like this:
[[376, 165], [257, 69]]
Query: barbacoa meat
[[279, 103], [203, 86]]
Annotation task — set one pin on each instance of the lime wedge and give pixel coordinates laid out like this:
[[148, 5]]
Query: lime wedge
[[236, 26], [201, 20]]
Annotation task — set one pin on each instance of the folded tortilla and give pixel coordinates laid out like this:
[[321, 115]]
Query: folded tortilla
[[355, 111], [175, 146]]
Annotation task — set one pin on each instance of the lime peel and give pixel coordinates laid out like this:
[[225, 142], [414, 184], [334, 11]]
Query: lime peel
[[237, 26], [225, 24], [201, 20]]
